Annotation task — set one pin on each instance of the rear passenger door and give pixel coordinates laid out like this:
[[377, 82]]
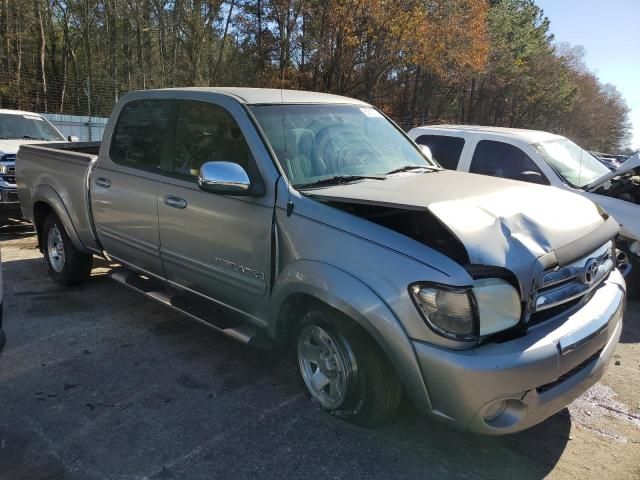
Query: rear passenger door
[[500, 159], [446, 150], [124, 186]]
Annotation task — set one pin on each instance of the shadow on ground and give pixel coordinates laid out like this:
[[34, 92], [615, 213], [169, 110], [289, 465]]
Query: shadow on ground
[[631, 327], [97, 382]]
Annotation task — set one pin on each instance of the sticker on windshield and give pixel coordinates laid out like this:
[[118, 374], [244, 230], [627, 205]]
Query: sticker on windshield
[[32, 117], [371, 112]]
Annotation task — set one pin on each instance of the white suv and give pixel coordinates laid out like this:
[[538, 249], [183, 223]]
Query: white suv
[[544, 158]]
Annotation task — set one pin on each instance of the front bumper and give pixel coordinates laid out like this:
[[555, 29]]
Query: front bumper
[[535, 375]]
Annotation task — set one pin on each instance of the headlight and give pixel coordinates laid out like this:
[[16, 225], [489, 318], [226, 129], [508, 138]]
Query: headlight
[[463, 314], [498, 305], [449, 311]]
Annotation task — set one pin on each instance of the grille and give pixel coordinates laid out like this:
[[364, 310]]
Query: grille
[[565, 376], [550, 313], [562, 286], [8, 170]]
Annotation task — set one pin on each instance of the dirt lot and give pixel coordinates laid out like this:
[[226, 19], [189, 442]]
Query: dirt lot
[[97, 382]]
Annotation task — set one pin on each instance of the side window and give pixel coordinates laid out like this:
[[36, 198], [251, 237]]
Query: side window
[[206, 133], [500, 159], [141, 132], [446, 150]]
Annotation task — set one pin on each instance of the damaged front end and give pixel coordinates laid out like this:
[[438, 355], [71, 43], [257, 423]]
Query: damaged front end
[[618, 193], [625, 187], [420, 225]]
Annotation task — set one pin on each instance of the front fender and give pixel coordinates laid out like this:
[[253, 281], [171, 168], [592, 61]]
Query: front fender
[[349, 295], [46, 194]]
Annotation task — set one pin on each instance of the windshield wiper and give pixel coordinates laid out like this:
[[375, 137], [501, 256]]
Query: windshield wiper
[[29, 137], [338, 179], [408, 168]]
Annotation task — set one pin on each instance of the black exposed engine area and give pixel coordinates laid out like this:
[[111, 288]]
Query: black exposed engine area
[[421, 226], [625, 187]]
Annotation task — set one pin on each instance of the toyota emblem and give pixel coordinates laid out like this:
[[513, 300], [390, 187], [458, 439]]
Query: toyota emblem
[[590, 272]]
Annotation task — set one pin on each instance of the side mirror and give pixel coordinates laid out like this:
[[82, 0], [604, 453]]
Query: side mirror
[[224, 178], [427, 152], [532, 177], [73, 138]]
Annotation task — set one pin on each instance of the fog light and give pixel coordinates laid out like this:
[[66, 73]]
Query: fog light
[[494, 410]]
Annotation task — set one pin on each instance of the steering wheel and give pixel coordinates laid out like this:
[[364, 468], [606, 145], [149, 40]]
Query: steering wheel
[[337, 147]]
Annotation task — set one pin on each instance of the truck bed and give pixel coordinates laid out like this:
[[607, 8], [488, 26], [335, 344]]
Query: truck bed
[[59, 172]]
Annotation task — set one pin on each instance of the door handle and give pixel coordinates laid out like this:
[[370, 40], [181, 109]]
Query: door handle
[[103, 182], [175, 202]]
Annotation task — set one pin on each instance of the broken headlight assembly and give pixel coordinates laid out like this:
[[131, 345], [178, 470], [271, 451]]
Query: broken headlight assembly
[[467, 314]]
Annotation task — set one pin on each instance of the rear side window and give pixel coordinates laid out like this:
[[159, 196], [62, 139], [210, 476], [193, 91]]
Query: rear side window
[[445, 150], [206, 133], [143, 128], [500, 159]]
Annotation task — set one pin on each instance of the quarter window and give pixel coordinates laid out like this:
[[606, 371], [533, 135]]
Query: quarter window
[[446, 150], [501, 159]]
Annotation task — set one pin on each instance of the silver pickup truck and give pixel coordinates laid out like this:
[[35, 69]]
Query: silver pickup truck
[[317, 223]]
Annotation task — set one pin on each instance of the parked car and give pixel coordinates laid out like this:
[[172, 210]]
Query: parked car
[[612, 162], [547, 159], [318, 223], [19, 128]]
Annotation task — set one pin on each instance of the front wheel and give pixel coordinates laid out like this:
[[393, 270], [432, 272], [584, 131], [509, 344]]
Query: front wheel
[[345, 371], [66, 264]]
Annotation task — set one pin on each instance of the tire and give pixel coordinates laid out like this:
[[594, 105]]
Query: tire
[[363, 387], [633, 278], [65, 263]]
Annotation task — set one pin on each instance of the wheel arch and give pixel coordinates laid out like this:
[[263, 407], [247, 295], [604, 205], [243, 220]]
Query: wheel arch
[[46, 201], [305, 284]]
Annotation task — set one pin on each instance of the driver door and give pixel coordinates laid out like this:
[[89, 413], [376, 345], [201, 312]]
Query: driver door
[[215, 245], [500, 159]]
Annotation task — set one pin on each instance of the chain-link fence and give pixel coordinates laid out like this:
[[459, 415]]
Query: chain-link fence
[[57, 94]]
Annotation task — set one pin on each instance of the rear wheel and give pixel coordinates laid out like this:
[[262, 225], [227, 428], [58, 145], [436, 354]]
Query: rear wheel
[[66, 264], [345, 371]]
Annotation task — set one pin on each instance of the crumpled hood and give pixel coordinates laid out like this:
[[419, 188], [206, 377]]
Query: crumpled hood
[[628, 165], [9, 147], [500, 222]]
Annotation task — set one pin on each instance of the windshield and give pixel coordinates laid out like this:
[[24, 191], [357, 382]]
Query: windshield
[[31, 127], [575, 165], [316, 142]]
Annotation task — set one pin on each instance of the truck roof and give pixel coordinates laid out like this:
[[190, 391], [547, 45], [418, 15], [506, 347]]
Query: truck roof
[[253, 96], [529, 136], [5, 111]]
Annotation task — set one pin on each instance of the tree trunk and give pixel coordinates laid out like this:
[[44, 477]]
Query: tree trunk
[[222, 44], [42, 47]]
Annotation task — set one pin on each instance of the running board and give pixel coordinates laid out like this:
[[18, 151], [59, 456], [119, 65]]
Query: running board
[[199, 309]]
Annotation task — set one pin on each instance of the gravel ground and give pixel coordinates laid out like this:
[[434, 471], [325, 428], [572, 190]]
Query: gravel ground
[[97, 382]]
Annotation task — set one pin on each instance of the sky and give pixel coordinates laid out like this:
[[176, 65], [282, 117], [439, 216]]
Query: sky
[[610, 32]]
